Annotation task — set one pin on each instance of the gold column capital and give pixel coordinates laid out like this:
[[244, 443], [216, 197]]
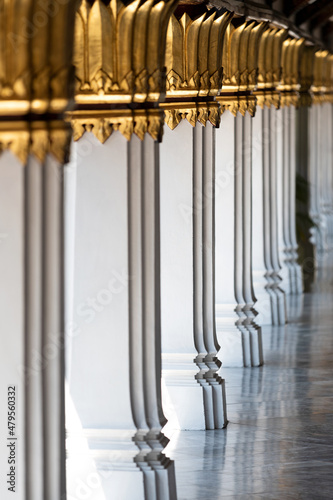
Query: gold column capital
[[322, 77], [36, 77], [269, 63], [240, 63], [119, 56], [194, 67], [290, 85]]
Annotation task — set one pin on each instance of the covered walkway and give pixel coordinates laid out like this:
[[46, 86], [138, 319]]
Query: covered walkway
[[279, 440]]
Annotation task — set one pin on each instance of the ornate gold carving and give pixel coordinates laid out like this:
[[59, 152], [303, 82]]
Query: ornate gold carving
[[269, 63], [15, 137], [60, 134], [194, 54], [119, 50], [192, 112], [119, 59], [240, 56], [194, 66], [322, 87], [36, 75], [240, 63], [290, 85], [306, 75], [251, 104], [102, 123]]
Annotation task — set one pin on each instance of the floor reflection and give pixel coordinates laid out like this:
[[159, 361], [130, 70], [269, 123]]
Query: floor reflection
[[279, 441]]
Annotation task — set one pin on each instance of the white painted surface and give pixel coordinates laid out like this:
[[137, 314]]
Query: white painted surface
[[12, 315]]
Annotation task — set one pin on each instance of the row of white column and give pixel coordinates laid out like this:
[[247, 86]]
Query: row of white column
[[320, 176], [175, 255], [32, 311], [182, 251]]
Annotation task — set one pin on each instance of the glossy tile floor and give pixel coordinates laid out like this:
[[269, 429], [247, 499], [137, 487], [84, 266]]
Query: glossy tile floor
[[279, 440]]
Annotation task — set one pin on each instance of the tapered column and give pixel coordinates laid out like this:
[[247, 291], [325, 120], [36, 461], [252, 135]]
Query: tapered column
[[117, 298], [319, 151], [319, 176], [190, 348], [263, 304], [242, 347], [12, 331], [325, 132], [52, 341], [182, 394], [303, 157], [243, 250], [283, 199], [229, 336], [325, 139], [192, 207], [270, 217], [297, 270], [204, 276], [248, 290], [294, 78], [291, 272], [144, 303]]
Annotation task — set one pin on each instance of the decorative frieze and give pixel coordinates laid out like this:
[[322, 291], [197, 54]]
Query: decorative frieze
[[119, 63], [36, 78], [290, 79], [322, 87], [194, 67], [270, 54], [127, 121], [306, 75], [240, 63]]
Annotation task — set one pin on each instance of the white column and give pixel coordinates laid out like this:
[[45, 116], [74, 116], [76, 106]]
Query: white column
[[187, 249], [12, 370], [270, 217], [44, 331], [283, 198], [182, 395], [327, 174], [303, 159], [53, 330], [116, 348], [204, 266], [298, 288], [234, 222], [321, 159], [263, 304], [228, 334], [318, 159], [34, 329], [313, 172], [248, 291], [330, 169]]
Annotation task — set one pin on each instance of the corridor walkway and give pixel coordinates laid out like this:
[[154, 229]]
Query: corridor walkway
[[279, 441]]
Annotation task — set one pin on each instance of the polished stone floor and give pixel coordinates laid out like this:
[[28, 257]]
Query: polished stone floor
[[279, 440]]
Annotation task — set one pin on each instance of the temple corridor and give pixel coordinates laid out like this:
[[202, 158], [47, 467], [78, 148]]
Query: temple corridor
[[166, 249], [279, 440]]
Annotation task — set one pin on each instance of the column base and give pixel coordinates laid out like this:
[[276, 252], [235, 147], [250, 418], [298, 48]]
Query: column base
[[229, 336], [182, 395], [117, 464], [263, 304]]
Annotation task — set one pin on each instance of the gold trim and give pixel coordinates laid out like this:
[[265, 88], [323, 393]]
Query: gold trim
[[119, 51], [36, 77], [103, 123]]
